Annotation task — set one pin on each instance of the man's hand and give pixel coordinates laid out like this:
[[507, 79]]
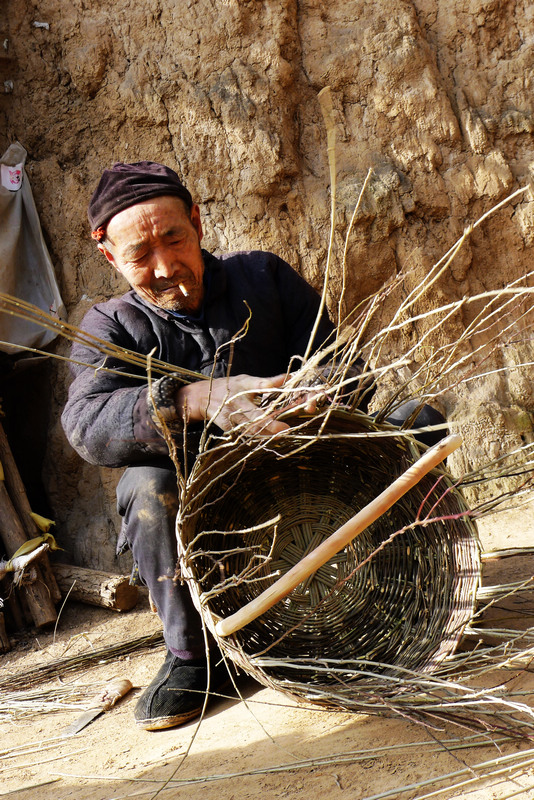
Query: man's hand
[[231, 403]]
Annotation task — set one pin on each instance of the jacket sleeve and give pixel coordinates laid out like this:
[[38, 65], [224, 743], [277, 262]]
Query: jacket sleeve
[[106, 418]]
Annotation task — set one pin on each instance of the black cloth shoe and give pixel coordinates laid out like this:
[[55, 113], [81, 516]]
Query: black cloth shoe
[[176, 695]]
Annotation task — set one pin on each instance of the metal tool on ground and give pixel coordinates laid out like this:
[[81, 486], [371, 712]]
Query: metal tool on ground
[[111, 693]]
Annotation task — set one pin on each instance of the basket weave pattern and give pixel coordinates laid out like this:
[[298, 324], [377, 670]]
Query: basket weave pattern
[[254, 511]]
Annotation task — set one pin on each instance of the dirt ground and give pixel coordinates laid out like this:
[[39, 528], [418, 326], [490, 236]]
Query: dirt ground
[[243, 749]]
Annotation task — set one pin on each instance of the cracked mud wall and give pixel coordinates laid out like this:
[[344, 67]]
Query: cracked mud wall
[[436, 97]]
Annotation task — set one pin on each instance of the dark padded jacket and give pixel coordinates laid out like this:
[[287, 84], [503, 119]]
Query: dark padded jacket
[[106, 418]]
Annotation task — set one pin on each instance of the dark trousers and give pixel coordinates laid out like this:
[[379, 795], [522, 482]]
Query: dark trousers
[[147, 499]]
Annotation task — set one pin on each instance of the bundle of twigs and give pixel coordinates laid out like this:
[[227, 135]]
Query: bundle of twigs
[[58, 668], [16, 705]]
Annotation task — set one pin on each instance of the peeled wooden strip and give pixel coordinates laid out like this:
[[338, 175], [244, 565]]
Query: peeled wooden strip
[[340, 539]]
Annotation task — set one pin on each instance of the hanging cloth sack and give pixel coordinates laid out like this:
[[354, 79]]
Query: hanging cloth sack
[[26, 269]]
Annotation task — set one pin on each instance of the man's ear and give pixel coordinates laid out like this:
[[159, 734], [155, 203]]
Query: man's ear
[[108, 254], [197, 223]]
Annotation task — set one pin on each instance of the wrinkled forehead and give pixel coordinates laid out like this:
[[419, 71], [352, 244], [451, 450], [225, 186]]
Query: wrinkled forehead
[[159, 216]]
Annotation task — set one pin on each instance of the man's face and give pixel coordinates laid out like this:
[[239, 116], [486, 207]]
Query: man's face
[[155, 245]]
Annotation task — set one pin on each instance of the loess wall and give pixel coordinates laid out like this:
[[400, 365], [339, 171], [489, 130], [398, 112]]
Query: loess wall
[[436, 97]]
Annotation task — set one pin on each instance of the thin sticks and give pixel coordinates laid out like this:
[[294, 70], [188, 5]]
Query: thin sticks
[[20, 308]]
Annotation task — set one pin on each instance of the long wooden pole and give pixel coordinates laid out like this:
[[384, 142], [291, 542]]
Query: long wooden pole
[[340, 539]]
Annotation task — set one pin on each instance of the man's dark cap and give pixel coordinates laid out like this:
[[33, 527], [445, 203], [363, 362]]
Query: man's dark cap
[[125, 185]]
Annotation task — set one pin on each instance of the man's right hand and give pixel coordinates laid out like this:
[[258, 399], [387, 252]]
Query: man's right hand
[[231, 403]]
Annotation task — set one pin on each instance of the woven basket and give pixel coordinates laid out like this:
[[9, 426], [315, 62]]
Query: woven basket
[[254, 510]]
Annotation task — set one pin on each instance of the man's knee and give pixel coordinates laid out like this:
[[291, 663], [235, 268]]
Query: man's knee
[[151, 489], [147, 500], [427, 416]]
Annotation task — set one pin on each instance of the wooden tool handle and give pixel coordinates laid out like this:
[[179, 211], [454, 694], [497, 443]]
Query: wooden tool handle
[[340, 539], [112, 692]]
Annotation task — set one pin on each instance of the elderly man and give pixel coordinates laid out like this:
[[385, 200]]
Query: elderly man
[[184, 307]]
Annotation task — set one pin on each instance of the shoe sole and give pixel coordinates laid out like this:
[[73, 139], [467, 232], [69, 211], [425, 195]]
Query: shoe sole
[[160, 723]]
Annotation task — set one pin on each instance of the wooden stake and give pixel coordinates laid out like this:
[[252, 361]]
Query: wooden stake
[[15, 617], [20, 501], [13, 536], [340, 539], [5, 644]]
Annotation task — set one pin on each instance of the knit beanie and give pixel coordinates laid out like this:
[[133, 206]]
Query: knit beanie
[[125, 185]]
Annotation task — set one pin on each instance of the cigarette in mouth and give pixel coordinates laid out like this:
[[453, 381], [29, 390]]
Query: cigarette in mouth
[[183, 290]]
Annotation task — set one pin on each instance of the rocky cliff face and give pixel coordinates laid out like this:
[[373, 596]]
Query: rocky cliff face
[[436, 97]]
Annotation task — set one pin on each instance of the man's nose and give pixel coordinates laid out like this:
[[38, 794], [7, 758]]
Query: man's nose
[[163, 265]]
